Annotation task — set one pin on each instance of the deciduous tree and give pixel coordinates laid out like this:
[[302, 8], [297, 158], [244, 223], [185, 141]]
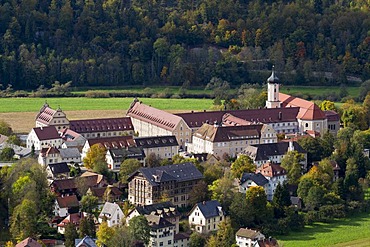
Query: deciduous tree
[[242, 164]]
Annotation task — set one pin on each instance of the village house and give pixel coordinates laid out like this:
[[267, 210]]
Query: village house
[[112, 213], [85, 242], [53, 155], [72, 139], [43, 137], [110, 193], [108, 143], [249, 180], [274, 152], [205, 216], [104, 127], [115, 157], [165, 210], [58, 170], [275, 175], [75, 218], [173, 182], [217, 140], [149, 121], [248, 238], [49, 117], [64, 206], [28, 242], [162, 231], [164, 147]]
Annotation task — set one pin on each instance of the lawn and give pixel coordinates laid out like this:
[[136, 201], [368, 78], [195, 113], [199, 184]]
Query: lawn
[[317, 90], [68, 104], [354, 231]]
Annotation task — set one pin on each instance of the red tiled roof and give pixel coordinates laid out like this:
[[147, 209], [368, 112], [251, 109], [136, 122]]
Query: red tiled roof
[[28, 242], [101, 125], [74, 218], [154, 116], [271, 170], [46, 133], [113, 142], [46, 114], [50, 150], [68, 134], [67, 201], [265, 115], [308, 110], [230, 120]]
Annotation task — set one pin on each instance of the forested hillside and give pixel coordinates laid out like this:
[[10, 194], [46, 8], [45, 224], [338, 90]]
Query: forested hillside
[[183, 42]]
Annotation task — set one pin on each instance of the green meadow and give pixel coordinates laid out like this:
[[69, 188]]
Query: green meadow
[[354, 231], [81, 103]]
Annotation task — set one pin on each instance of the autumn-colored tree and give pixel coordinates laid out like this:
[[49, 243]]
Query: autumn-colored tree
[[128, 166], [242, 164], [104, 234], [292, 163], [95, 155], [23, 221]]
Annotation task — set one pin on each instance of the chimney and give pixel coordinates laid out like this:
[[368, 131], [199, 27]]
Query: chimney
[[204, 202], [280, 115], [215, 124], [291, 146]]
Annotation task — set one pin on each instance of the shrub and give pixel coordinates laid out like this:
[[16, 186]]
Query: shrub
[[96, 94]]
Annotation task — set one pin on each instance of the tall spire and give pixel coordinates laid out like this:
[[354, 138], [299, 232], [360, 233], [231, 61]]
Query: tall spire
[[273, 78]]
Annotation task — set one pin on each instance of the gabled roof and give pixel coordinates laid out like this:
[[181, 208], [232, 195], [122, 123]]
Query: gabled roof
[[46, 114], [230, 120], [113, 142], [85, 242], [69, 153], [265, 151], [247, 233], [109, 209], [164, 209], [332, 115], [227, 133], [157, 222], [58, 168], [67, 201], [153, 115], [74, 218], [49, 150], [157, 141], [258, 178], [271, 170], [65, 184], [209, 209], [101, 125], [46, 133], [308, 110], [177, 172], [69, 135], [28, 242]]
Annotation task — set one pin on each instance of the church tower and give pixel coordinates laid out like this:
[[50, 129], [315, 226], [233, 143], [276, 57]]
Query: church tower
[[273, 91]]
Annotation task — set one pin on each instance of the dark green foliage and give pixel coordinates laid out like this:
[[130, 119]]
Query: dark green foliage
[[7, 154], [176, 43], [70, 235], [281, 200]]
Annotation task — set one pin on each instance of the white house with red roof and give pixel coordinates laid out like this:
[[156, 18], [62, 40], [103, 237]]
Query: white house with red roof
[[44, 137], [74, 218], [275, 175], [63, 205], [51, 117]]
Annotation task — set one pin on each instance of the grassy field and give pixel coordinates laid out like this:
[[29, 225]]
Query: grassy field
[[316, 90], [67, 104], [354, 231]]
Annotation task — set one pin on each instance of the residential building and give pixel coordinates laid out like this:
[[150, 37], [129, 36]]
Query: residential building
[[28, 242], [72, 139], [181, 239], [274, 152], [249, 180], [164, 147], [64, 206], [217, 140], [275, 175], [110, 193], [162, 231], [74, 218], [104, 127], [174, 182], [49, 117], [108, 143], [149, 121], [112, 213], [165, 210], [248, 238], [85, 242], [58, 170], [205, 216], [116, 156], [51, 155], [43, 137], [333, 122]]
